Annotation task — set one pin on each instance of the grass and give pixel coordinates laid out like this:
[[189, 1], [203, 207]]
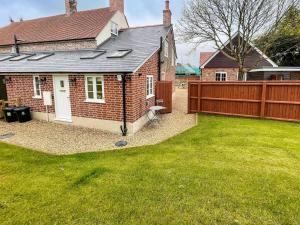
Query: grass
[[224, 171]]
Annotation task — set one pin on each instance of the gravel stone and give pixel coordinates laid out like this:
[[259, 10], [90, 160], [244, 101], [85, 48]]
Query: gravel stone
[[60, 139]]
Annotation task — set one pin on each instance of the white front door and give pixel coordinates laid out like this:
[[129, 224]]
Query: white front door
[[62, 98]]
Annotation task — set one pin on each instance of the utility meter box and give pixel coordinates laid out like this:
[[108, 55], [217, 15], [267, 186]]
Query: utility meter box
[[47, 95]]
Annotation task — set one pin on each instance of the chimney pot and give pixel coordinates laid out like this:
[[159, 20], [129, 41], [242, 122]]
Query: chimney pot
[[71, 7], [116, 5]]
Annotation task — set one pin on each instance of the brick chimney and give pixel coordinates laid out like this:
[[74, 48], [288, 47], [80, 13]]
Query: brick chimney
[[167, 14], [116, 5], [71, 7]]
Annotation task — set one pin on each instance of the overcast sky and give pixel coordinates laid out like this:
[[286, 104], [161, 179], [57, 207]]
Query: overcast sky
[[138, 12]]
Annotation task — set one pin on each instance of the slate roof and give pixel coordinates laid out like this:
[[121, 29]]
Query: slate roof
[[143, 41], [80, 25]]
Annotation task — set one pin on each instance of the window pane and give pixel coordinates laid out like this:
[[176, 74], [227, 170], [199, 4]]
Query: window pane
[[99, 88], [151, 85], [90, 87], [223, 76], [90, 80], [38, 92], [62, 84], [147, 83], [90, 95], [37, 86]]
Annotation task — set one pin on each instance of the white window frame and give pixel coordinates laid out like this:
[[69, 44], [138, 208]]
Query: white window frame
[[221, 72], [94, 99], [35, 95], [114, 26], [166, 48], [245, 77], [150, 85]]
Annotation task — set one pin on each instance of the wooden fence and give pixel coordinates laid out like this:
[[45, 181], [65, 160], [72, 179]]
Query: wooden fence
[[265, 99], [164, 91]]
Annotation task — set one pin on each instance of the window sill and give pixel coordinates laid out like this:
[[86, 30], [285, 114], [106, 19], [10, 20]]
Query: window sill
[[37, 97], [95, 101], [150, 96]]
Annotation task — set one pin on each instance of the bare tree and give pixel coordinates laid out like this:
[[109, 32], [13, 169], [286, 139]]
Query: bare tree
[[220, 20]]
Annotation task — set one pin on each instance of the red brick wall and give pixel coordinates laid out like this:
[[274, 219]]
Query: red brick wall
[[21, 86], [110, 110], [137, 88], [209, 74]]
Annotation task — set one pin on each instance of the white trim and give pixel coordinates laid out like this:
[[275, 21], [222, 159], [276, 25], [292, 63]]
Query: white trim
[[35, 96], [252, 45], [111, 28], [94, 100], [276, 69], [150, 95], [221, 72]]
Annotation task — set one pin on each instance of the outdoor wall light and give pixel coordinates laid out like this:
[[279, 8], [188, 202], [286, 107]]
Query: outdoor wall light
[[43, 80], [7, 80], [119, 77], [73, 81]]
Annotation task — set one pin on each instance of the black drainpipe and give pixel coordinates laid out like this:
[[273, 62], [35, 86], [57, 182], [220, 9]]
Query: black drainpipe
[[159, 59], [124, 127], [16, 45]]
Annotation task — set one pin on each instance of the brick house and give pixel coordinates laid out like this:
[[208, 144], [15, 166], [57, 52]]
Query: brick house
[[100, 72], [216, 66]]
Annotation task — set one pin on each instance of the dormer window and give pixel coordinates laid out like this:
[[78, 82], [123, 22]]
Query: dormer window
[[114, 29]]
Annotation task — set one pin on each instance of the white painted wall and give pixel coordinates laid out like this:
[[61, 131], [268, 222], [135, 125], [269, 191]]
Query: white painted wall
[[120, 19]]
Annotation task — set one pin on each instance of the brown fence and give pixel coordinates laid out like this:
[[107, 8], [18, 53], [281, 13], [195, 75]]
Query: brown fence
[[164, 92], [264, 99]]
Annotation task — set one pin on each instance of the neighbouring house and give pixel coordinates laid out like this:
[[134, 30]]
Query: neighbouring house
[[187, 72], [100, 72], [216, 66], [275, 73]]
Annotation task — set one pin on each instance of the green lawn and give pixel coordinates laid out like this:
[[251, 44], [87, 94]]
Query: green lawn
[[224, 171]]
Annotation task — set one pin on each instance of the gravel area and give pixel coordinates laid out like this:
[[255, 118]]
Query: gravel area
[[63, 139]]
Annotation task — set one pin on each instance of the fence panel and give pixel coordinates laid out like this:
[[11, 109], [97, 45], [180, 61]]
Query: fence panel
[[273, 100], [164, 91]]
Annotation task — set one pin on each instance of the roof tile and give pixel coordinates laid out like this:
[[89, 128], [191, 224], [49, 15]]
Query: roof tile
[[80, 25], [204, 56]]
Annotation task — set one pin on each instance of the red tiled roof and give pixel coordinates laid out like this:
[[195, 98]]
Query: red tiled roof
[[80, 25], [204, 56]]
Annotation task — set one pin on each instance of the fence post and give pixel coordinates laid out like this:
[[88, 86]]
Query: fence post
[[189, 97], [199, 96], [263, 99]]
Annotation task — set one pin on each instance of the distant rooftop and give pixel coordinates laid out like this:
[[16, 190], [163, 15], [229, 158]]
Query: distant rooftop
[[80, 25], [277, 69]]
